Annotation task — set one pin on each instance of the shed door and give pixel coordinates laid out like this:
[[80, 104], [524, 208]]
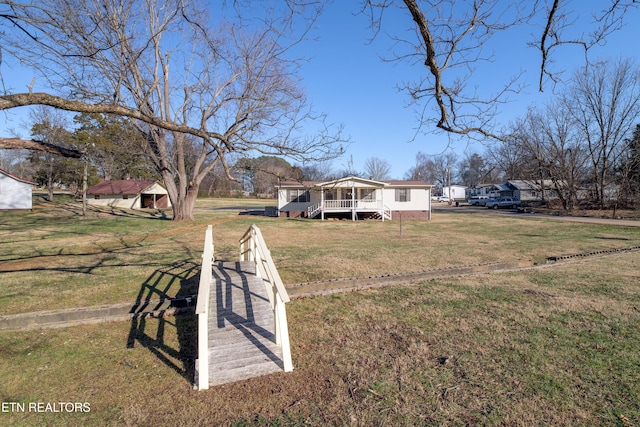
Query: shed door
[[162, 201], [147, 201]]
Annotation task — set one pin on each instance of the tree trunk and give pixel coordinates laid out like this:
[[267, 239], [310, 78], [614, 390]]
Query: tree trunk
[[183, 206], [49, 188]]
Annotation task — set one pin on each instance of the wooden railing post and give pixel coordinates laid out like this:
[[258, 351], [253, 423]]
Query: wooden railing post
[[202, 310], [253, 245]]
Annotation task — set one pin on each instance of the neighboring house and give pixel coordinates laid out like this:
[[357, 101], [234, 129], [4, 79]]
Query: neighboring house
[[355, 198], [130, 194], [15, 193], [532, 190], [484, 190], [454, 192], [501, 190], [526, 190]]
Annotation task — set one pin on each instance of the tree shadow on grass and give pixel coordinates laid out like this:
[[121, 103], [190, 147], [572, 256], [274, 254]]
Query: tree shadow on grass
[[163, 319]]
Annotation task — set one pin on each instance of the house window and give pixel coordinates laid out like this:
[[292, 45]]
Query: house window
[[97, 197], [298, 196], [125, 197], [367, 194], [331, 194], [403, 194]]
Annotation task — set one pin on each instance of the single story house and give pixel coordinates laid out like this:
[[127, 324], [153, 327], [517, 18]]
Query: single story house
[[355, 198], [15, 193], [533, 190], [129, 194]]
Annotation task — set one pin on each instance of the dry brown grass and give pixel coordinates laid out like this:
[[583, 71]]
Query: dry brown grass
[[550, 346], [53, 258]]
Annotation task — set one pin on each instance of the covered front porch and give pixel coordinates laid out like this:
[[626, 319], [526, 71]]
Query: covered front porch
[[357, 197]]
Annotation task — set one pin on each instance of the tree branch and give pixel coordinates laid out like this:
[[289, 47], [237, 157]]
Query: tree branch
[[32, 144]]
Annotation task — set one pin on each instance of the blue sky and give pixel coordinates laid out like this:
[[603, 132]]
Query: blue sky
[[346, 79]]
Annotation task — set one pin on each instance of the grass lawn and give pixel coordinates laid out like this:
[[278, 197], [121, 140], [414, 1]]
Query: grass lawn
[[551, 346]]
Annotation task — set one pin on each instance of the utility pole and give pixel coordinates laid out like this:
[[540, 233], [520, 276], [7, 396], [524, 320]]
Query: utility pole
[[449, 179], [84, 182]]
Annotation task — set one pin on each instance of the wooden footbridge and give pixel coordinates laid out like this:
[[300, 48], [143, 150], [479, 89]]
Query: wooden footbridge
[[242, 323]]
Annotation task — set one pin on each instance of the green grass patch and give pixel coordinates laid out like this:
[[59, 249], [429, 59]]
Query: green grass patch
[[551, 346]]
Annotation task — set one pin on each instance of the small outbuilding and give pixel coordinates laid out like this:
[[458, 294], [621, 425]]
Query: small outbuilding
[[129, 194], [15, 193]]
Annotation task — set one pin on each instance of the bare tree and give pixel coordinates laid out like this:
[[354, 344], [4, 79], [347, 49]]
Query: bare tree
[[192, 84], [48, 125], [629, 170], [348, 169], [423, 170], [321, 171], [434, 169], [604, 101], [559, 26], [551, 138], [451, 42], [377, 169], [512, 160], [475, 169]]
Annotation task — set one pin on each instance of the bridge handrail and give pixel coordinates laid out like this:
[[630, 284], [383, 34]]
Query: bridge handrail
[[253, 248], [202, 309]]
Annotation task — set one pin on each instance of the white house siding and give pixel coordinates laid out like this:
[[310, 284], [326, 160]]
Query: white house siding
[[295, 209], [116, 201], [14, 194], [418, 206]]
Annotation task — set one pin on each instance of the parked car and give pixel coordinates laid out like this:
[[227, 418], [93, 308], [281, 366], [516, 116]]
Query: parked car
[[478, 200], [443, 199], [503, 202]]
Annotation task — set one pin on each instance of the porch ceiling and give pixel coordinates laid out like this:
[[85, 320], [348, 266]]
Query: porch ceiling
[[350, 182]]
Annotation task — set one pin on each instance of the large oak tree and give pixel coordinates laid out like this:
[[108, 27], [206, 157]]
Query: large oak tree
[[199, 80]]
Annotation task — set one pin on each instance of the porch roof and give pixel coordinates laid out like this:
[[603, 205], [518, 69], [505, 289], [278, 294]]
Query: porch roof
[[353, 181]]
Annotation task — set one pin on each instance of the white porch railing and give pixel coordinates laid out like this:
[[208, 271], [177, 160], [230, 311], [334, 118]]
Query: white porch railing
[[253, 248], [362, 205], [313, 210], [387, 213], [202, 310]]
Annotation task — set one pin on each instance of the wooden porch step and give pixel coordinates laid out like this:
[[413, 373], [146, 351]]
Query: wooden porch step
[[241, 326]]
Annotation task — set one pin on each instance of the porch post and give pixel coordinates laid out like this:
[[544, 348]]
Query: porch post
[[322, 204], [382, 198], [353, 201]]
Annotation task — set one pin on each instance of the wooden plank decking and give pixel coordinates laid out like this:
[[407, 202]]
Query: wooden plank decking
[[241, 325]]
